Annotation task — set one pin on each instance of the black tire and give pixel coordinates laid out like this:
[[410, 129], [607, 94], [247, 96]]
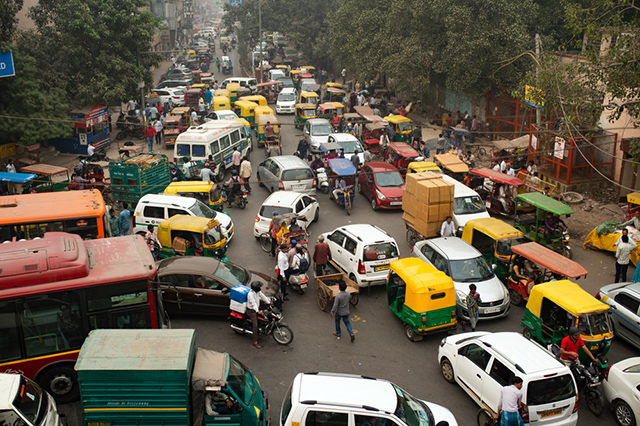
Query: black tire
[[61, 382], [265, 242], [484, 418], [595, 402], [220, 174], [242, 203], [567, 252], [515, 297], [373, 204], [354, 299], [347, 204], [411, 334], [526, 332], [412, 237], [623, 413], [317, 215], [122, 134], [324, 189], [447, 371], [282, 334]]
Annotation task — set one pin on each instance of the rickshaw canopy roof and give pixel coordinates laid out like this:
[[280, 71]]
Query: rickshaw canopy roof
[[313, 87], [521, 142], [189, 186], [243, 121], [368, 114], [549, 259], [336, 104], [342, 167], [328, 146], [221, 92], [375, 126], [566, 294], [634, 198], [334, 90], [423, 166], [267, 84], [336, 85], [308, 94], [233, 87], [44, 169], [499, 177], [306, 106], [352, 116], [403, 149], [185, 222], [251, 106], [422, 279], [17, 177], [397, 119], [257, 99], [263, 110], [264, 118], [494, 228], [325, 107], [172, 119], [543, 202], [452, 162], [181, 110]]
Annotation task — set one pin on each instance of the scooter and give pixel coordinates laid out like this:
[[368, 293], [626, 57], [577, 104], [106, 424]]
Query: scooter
[[299, 282], [269, 322], [239, 199], [323, 182]]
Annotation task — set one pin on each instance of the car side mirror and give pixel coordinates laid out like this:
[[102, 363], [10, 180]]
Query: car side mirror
[[493, 267], [225, 290]]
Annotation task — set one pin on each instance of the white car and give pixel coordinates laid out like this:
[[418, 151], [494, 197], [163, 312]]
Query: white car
[[176, 95], [349, 144], [286, 102], [624, 299], [622, 390], [333, 399], [466, 265], [317, 131], [363, 252], [224, 114], [285, 202]]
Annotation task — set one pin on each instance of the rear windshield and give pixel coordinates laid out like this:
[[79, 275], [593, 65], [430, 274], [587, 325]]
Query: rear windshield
[[297, 174], [547, 391], [267, 211], [468, 205], [379, 251]]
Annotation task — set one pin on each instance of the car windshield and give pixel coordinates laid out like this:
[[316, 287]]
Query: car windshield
[[468, 205], [379, 251], [232, 274], [297, 174], [505, 244], [201, 209], [321, 130], [240, 380], [404, 127], [411, 411], [389, 179], [213, 236], [547, 391], [29, 401], [286, 97], [267, 211], [594, 324], [350, 146], [470, 270]]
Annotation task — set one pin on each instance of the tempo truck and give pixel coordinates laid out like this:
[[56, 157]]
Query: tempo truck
[[159, 377]]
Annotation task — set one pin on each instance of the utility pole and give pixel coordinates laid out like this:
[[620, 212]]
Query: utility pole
[[141, 86], [538, 43], [260, 29]]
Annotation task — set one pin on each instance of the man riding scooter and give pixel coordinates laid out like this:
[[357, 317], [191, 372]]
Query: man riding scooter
[[232, 186]]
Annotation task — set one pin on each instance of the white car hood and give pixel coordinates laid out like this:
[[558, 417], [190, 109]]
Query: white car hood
[[315, 141], [224, 220], [462, 219], [441, 413]]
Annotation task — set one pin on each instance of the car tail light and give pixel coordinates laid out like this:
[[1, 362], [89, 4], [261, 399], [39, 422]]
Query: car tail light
[[314, 183], [361, 270], [257, 218], [575, 406], [281, 186], [606, 373], [175, 160], [598, 296], [525, 412]]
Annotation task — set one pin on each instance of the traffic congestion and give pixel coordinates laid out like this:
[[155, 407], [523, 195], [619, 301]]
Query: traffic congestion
[[278, 247]]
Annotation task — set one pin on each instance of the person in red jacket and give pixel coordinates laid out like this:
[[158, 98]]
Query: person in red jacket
[[150, 134]]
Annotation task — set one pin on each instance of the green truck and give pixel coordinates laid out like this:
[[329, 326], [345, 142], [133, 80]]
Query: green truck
[[137, 176], [159, 377]]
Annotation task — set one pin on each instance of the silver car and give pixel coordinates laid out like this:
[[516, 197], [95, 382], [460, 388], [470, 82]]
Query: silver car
[[624, 300], [317, 131], [286, 173], [466, 265]]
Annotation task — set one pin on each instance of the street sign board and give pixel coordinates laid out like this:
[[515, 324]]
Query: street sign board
[[6, 64]]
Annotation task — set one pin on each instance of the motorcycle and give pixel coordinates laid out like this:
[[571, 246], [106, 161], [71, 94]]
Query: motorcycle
[[97, 156], [239, 198], [299, 282], [323, 181], [269, 322], [132, 131]]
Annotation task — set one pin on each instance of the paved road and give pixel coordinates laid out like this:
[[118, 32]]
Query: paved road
[[380, 349]]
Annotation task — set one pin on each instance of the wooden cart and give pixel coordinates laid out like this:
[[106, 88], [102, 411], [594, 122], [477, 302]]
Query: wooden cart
[[328, 289]]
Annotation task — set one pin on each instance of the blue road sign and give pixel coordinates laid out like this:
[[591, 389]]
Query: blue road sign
[[6, 64]]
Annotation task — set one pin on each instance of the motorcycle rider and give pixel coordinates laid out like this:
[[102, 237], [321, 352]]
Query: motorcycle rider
[[570, 345], [254, 297], [232, 186], [316, 164]]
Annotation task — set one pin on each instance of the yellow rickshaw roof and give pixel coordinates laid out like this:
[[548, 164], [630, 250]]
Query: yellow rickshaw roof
[[282, 66], [254, 98], [221, 99], [309, 94], [243, 121], [261, 109], [306, 106], [423, 166], [495, 228], [566, 294], [295, 71], [188, 186], [247, 104], [189, 223], [221, 92], [263, 118], [198, 86], [397, 119], [338, 85], [336, 104], [634, 197], [233, 87], [308, 67], [180, 110], [419, 276]]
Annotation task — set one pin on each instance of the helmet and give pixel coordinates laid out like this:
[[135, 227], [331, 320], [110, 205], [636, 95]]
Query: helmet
[[256, 286], [293, 243], [275, 213], [573, 331], [234, 172]]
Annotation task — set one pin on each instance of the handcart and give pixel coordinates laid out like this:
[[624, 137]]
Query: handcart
[[328, 288]]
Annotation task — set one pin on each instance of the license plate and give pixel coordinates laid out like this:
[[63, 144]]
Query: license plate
[[380, 268], [492, 310], [396, 203], [303, 286], [297, 186], [550, 413]]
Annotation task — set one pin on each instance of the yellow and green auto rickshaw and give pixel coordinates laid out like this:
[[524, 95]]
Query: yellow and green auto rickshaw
[[402, 126], [263, 120], [220, 103], [243, 92], [285, 69], [303, 113], [309, 98], [423, 166], [334, 94], [184, 235], [423, 297], [233, 91], [222, 92], [257, 99], [245, 109], [555, 306], [191, 53], [207, 192], [494, 239], [260, 110]]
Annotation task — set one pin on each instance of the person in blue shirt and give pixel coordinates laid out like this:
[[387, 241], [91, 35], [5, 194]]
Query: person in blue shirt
[[125, 219], [208, 96]]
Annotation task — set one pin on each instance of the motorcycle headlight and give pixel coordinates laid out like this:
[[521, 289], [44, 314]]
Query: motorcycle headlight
[[567, 237]]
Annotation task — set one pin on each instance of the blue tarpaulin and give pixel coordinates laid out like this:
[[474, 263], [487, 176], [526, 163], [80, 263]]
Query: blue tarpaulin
[[17, 177], [342, 167]]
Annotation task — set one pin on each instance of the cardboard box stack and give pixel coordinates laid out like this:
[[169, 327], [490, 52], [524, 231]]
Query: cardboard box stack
[[426, 201]]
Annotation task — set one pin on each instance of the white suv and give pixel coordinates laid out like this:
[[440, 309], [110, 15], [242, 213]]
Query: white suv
[[363, 252], [483, 363], [333, 399], [286, 102]]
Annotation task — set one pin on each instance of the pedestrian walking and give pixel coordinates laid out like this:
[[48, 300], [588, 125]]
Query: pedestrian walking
[[245, 173], [509, 404], [150, 134], [114, 222], [340, 311], [622, 258], [283, 267], [416, 135], [153, 113], [273, 233], [344, 76], [206, 174], [473, 302], [236, 158], [194, 117], [125, 219], [152, 242], [473, 131], [303, 147], [11, 168], [157, 126], [448, 228], [321, 255]]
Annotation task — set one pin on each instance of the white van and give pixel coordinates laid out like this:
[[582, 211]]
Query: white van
[[467, 204], [248, 82], [153, 209], [482, 363], [286, 102], [217, 138], [275, 73]]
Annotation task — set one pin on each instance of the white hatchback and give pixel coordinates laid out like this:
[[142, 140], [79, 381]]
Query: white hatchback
[[622, 390], [285, 202]]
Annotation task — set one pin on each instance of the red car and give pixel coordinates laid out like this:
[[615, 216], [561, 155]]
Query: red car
[[382, 183]]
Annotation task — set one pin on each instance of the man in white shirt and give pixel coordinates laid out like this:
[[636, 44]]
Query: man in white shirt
[[510, 171], [254, 297], [448, 228], [190, 169], [90, 150], [206, 174], [503, 166], [283, 267], [236, 159], [509, 404]]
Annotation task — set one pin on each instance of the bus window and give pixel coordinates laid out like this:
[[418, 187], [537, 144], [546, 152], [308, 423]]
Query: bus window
[[9, 340], [198, 151], [50, 227], [116, 295], [235, 137], [215, 147], [224, 142], [87, 228]]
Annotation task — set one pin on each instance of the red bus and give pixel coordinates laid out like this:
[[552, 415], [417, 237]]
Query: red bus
[[56, 289]]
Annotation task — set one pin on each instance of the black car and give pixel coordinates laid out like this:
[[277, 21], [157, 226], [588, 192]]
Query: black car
[[174, 83], [177, 74]]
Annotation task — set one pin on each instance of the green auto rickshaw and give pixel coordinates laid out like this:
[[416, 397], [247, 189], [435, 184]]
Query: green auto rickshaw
[[421, 296], [538, 217], [186, 235]]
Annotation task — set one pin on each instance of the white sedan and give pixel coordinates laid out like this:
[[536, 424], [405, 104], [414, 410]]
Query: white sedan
[[285, 202], [174, 93], [349, 144], [621, 390]]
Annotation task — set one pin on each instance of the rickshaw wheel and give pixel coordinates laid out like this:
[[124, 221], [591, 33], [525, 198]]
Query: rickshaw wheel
[[412, 335], [355, 298], [322, 299], [347, 203], [485, 418], [567, 252], [526, 333], [515, 297], [265, 242], [412, 237]]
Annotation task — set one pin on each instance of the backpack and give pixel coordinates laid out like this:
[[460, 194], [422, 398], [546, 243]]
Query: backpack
[[193, 169], [304, 263], [236, 184]]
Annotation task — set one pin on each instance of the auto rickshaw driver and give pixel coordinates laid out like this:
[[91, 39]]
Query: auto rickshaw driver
[[551, 225], [341, 187], [519, 275]]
